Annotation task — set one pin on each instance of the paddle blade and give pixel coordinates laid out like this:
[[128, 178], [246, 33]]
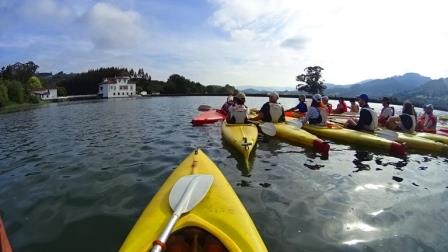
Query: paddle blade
[[296, 123], [268, 128], [204, 108], [189, 191], [387, 134]]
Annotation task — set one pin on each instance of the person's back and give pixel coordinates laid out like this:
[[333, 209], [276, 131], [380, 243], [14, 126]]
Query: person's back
[[405, 122], [272, 111], [301, 106], [314, 115], [238, 112], [341, 107]]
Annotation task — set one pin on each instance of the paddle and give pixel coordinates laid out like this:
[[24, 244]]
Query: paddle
[[297, 123], [5, 246], [184, 196], [267, 128]]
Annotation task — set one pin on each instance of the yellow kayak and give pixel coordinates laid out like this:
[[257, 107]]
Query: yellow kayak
[[434, 137], [414, 141], [301, 137], [341, 134], [242, 137], [220, 215]]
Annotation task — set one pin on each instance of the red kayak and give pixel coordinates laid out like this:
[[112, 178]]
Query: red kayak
[[4, 242], [207, 117]]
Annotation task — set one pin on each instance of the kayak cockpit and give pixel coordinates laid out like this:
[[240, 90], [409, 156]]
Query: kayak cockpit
[[194, 239]]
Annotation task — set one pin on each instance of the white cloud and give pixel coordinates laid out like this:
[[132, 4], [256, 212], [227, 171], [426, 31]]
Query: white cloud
[[110, 27], [45, 10], [352, 40]]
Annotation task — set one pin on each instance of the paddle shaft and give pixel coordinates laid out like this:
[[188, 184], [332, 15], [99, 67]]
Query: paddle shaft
[[177, 213]]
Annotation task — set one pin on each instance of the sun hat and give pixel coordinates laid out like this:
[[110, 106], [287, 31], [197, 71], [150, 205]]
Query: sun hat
[[241, 96], [317, 97]]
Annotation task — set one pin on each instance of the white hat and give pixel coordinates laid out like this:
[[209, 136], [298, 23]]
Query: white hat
[[241, 96], [317, 97], [272, 94]]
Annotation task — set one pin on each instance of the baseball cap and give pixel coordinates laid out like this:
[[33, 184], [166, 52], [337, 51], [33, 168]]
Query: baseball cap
[[325, 98], [317, 97], [364, 97]]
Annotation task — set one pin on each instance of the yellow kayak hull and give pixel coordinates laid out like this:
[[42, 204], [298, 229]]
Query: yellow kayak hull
[[434, 137], [301, 137], [340, 134], [242, 137], [220, 213], [416, 142]]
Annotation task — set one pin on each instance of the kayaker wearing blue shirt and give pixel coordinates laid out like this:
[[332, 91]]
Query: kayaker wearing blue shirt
[[238, 112], [271, 111], [314, 116], [368, 120], [301, 107]]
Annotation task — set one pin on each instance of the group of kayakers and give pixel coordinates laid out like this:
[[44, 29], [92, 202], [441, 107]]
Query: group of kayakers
[[320, 110]]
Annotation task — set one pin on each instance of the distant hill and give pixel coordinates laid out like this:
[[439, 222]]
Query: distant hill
[[380, 87], [434, 92]]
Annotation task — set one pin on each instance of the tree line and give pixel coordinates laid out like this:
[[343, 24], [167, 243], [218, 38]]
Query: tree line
[[17, 81]]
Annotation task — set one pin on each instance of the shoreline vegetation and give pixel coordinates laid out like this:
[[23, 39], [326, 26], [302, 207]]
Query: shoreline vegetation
[[20, 80]]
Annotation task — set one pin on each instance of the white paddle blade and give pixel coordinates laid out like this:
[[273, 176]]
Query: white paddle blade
[[387, 134], [296, 123], [268, 128], [189, 191], [204, 108]]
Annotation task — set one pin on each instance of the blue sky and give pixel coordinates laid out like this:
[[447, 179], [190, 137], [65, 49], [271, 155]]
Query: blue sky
[[250, 42]]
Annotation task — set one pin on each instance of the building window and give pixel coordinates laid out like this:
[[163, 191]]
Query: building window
[[114, 93]]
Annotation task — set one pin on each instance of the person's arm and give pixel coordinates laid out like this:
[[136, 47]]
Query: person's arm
[[262, 112]]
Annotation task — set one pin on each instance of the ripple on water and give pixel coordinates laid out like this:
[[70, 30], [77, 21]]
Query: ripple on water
[[85, 178]]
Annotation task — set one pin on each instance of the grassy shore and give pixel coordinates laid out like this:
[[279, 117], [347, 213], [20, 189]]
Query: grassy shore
[[15, 107]]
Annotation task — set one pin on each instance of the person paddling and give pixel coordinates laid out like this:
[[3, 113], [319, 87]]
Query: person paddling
[[405, 122], [225, 107], [341, 108], [354, 107], [271, 111], [314, 115], [326, 104], [386, 111], [368, 120], [301, 107], [238, 112], [427, 122]]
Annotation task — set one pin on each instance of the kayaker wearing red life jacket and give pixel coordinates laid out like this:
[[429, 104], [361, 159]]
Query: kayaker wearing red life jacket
[[314, 115], [238, 112], [271, 111], [386, 111], [327, 105], [427, 122], [225, 107], [405, 122], [341, 108], [368, 120]]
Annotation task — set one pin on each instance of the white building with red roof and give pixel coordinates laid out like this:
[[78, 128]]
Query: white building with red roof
[[116, 87]]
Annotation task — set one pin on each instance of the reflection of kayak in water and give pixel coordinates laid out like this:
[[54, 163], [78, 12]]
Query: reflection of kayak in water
[[4, 242], [219, 222]]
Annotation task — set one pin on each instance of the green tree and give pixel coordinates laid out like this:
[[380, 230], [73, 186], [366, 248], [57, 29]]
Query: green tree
[[16, 92], [19, 71], [33, 84], [3, 95], [62, 91], [311, 81]]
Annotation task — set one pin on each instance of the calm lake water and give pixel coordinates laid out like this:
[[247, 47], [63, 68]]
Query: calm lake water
[[76, 176]]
